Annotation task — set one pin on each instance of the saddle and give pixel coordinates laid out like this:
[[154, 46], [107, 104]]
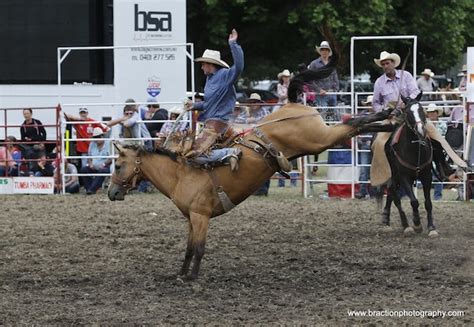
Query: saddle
[[189, 145]]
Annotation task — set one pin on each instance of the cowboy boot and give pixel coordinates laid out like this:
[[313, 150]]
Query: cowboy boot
[[203, 143]]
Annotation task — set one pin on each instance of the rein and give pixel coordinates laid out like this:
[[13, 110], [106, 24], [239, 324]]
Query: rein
[[421, 142]]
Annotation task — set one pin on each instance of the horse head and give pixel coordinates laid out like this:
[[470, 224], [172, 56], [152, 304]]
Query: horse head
[[127, 172], [415, 116]]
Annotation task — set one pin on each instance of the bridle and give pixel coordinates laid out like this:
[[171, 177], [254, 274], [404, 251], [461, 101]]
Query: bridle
[[422, 142], [129, 183]]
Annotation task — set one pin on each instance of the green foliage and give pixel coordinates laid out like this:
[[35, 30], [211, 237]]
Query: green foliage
[[277, 34]]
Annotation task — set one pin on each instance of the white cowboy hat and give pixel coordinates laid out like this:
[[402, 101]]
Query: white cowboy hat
[[432, 107], [255, 97], [176, 110], [212, 57], [97, 132], [428, 72], [464, 68], [284, 73], [384, 55], [369, 100], [324, 45]]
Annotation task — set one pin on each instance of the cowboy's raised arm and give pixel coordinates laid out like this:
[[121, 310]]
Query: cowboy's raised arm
[[237, 56]]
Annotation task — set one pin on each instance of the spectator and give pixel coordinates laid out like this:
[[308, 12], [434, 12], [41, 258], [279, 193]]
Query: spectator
[[71, 183], [238, 109], [251, 115], [328, 84], [7, 163], [426, 83], [31, 131], [143, 109], [364, 156], [97, 148], [155, 113], [282, 88], [168, 126], [256, 111], [43, 166], [15, 153], [84, 131], [433, 112], [131, 126]]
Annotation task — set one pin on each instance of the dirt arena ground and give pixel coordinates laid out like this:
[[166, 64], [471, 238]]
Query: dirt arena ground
[[69, 260]]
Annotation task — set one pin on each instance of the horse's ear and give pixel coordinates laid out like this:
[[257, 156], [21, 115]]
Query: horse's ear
[[418, 97], [118, 147], [405, 100]]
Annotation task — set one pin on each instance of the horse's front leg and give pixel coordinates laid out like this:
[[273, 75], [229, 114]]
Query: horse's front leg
[[200, 225], [408, 185], [189, 251], [403, 217], [427, 181]]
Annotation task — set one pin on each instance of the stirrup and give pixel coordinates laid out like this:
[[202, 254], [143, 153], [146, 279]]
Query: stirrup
[[233, 159]]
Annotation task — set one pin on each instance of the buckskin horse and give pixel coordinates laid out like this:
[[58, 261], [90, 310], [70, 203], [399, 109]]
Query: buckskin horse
[[410, 155], [293, 131]]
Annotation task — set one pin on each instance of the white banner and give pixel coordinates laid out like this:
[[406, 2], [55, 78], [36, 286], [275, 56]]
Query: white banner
[[6, 185], [33, 185], [159, 72]]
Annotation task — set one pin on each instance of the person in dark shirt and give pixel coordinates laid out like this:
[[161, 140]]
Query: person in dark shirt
[[155, 113], [43, 167], [32, 129]]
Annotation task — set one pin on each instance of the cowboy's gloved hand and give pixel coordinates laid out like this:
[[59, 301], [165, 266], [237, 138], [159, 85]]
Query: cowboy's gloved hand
[[392, 105], [188, 104]]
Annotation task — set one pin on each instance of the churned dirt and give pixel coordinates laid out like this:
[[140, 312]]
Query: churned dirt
[[71, 260]]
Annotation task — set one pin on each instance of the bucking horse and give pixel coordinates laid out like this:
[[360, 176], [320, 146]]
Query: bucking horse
[[293, 131]]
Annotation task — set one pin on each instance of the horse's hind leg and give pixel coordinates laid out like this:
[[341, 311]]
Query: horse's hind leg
[[200, 225], [189, 252], [388, 205]]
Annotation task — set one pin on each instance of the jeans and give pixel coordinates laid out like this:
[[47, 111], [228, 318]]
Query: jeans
[[438, 189], [294, 179], [263, 190], [73, 188], [93, 183], [3, 171], [215, 155]]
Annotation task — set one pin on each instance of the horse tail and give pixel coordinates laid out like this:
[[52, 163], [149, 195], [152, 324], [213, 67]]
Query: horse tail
[[297, 83]]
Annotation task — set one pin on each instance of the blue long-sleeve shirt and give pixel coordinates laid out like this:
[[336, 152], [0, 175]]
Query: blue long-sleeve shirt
[[219, 92]]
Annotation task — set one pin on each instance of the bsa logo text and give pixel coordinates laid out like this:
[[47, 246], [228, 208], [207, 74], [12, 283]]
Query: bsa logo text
[[152, 21]]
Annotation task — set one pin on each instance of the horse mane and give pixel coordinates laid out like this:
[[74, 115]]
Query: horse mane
[[296, 84]]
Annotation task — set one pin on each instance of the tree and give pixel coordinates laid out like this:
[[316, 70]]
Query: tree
[[281, 34]]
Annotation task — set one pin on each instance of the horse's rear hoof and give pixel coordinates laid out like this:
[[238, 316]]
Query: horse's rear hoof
[[408, 231], [433, 234], [418, 229]]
